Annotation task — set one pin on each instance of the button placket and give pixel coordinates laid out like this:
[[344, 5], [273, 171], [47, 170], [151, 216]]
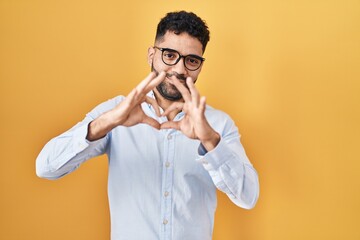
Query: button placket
[[167, 184], [167, 164]]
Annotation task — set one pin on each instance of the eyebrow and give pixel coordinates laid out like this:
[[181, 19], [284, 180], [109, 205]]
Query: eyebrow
[[193, 55]]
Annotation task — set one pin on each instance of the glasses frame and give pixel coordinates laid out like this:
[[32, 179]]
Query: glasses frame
[[201, 59]]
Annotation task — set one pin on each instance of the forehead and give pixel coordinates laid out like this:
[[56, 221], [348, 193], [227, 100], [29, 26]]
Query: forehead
[[183, 43]]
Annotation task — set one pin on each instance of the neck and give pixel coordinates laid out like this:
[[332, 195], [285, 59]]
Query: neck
[[165, 103]]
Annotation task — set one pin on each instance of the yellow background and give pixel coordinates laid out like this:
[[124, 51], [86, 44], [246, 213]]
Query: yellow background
[[288, 73]]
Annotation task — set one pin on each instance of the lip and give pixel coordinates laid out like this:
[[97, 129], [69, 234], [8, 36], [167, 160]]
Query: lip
[[171, 75], [168, 75], [173, 78]]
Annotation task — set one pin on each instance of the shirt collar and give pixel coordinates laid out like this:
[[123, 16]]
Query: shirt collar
[[150, 107]]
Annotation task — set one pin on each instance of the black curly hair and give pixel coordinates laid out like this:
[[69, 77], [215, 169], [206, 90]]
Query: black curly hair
[[182, 21]]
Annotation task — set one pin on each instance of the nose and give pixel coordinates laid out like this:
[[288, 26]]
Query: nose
[[180, 66]]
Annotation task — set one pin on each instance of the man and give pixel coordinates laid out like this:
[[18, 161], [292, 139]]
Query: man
[[168, 151]]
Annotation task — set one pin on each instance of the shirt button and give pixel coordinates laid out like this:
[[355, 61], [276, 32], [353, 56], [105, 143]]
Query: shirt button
[[166, 193], [169, 137], [167, 164], [165, 221], [204, 162]]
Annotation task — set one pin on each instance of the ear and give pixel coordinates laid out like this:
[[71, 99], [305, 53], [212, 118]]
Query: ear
[[150, 57]]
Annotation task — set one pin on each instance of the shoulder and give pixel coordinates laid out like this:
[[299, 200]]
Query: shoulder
[[214, 114], [220, 120], [105, 106]]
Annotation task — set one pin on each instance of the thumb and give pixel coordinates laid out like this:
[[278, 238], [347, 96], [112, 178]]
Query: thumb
[[150, 121], [170, 124]]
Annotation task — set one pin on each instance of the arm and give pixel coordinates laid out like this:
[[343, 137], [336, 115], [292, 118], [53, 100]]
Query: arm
[[128, 113], [223, 155], [230, 168], [64, 154]]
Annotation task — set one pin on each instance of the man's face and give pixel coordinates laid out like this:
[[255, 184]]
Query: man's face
[[185, 45]]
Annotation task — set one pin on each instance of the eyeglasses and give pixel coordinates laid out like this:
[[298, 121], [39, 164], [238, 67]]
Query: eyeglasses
[[171, 57]]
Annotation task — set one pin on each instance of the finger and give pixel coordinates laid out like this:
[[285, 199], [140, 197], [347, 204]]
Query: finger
[[170, 124], [154, 104], [174, 106], [183, 90], [195, 97], [149, 83], [202, 105], [131, 95], [141, 86], [156, 81], [130, 99], [152, 122], [136, 95]]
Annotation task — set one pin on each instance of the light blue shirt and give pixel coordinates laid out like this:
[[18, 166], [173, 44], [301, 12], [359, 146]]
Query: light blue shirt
[[162, 185]]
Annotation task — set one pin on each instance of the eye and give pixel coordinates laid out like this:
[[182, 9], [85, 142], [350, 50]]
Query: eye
[[170, 55], [193, 61]]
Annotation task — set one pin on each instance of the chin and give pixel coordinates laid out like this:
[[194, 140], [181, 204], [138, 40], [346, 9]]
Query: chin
[[168, 91]]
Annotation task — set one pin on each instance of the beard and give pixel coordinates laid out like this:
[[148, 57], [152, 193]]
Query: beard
[[168, 90]]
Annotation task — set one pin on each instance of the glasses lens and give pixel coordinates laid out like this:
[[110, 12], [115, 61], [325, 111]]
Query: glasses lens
[[192, 63], [170, 57]]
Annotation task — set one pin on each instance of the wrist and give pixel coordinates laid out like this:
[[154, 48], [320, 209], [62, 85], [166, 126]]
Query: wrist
[[211, 142], [99, 127]]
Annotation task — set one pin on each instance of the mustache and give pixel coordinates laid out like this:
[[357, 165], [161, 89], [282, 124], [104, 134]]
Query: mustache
[[169, 75], [177, 75]]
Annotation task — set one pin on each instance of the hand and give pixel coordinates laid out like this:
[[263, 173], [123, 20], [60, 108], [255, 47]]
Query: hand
[[194, 124], [128, 112]]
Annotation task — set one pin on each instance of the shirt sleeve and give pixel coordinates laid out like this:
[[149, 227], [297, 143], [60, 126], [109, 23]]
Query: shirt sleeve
[[64, 153], [230, 168]]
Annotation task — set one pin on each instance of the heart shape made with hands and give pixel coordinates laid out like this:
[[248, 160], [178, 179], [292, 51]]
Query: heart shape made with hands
[[129, 112], [194, 123]]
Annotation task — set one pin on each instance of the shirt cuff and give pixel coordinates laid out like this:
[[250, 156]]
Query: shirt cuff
[[217, 157], [78, 144], [81, 143], [213, 159]]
